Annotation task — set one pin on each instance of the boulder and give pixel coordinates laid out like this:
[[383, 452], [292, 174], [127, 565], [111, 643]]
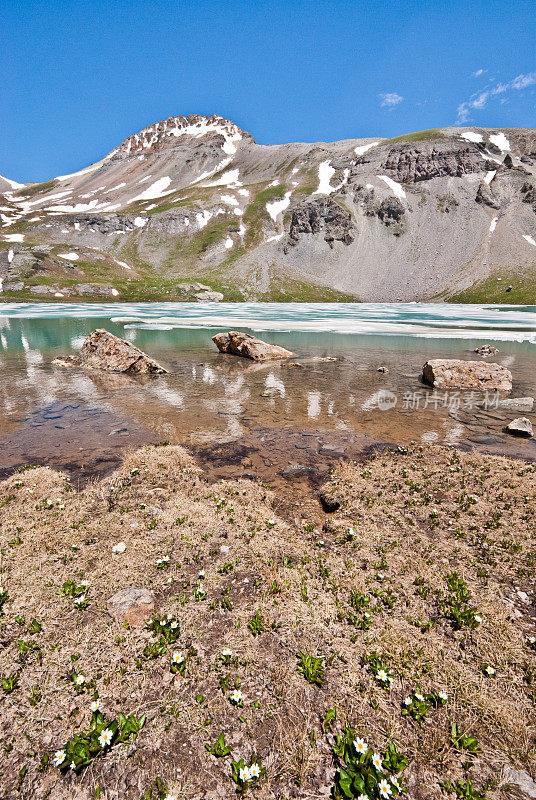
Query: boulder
[[520, 427], [131, 605], [103, 350], [247, 346], [452, 373], [486, 350]]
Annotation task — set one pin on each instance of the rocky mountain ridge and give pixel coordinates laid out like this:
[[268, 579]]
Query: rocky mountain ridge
[[194, 201]]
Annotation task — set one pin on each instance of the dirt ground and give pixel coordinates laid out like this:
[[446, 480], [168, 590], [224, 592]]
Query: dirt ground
[[423, 573]]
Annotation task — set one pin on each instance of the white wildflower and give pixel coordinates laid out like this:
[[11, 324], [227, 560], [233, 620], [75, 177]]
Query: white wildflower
[[79, 679], [106, 737], [384, 788], [377, 762], [236, 696], [490, 671], [177, 658], [201, 574], [227, 653], [443, 696], [360, 745], [419, 697], [407, 701], [244, 774], [478, 618], [254, 771], [95, 706], [382, 676], [59, 757]]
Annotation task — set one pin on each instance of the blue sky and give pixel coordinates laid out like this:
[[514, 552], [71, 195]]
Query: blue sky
[[78, 77]]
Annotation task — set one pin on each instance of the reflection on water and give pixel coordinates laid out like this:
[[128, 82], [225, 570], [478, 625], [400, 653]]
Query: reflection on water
[[331, 390]]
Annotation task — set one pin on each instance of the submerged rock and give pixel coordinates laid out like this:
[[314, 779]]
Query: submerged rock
[[452, 373], [520, 427], [131, 605], [103, 350], [247, 346], [486, 350]]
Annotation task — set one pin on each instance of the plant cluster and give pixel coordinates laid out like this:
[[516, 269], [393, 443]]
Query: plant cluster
[[78, 592], [363, 772], [417, 705], [456, 604], [102, 734]]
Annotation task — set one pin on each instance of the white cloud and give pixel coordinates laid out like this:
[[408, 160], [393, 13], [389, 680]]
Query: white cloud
[[479, 100], [478, 73], [390, 99]]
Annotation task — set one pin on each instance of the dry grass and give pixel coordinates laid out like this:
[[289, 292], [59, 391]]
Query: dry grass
[[417, 516]]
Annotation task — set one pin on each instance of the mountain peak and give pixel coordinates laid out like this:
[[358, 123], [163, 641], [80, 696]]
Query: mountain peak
[[195, 125]]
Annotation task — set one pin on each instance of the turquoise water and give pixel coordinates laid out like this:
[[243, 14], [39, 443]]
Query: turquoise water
[[442, 321]]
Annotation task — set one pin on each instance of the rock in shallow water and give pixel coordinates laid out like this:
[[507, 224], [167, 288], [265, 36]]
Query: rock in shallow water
[[520, 427], [247, 346], [452, 373], [486, 350], [103, 350]]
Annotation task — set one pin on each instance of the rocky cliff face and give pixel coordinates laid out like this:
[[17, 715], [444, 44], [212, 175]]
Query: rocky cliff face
[[195, 201]]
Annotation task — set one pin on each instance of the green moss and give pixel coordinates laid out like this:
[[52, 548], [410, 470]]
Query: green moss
[[287, 290], [256, 212], [492, 290], [418, 136], [37, 188]]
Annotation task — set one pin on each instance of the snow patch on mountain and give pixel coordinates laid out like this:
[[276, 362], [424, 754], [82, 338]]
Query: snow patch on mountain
[[395, 187], [325, 173], [156, 189], [500, 141], [472, 136], [362, 148], [14, 185], [229, 178], [278, 206]]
